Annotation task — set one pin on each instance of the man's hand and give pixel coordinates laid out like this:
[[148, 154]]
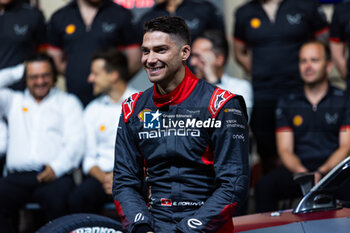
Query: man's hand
[[108, 183], [206, 66], [47, 175]]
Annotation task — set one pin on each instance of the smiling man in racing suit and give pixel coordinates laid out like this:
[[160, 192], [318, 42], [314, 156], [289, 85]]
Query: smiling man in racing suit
[[181, 154]]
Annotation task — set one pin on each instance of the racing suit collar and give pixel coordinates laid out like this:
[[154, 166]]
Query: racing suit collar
[[179, 94]]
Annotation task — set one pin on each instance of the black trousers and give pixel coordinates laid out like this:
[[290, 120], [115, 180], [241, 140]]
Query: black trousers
[[263, 125], [20, 188], [89, 197], [273, 187]]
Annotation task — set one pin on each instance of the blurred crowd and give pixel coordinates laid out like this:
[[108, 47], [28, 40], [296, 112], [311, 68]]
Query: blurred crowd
[[299, 121]]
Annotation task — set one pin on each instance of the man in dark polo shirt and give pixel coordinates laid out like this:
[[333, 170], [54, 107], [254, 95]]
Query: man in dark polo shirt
[[313, 129], [199, 15], [82, 27], [340, 39], [22, 31], [267, 37]]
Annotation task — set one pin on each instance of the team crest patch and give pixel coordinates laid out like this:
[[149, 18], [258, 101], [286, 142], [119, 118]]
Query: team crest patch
[[141, 114], [298, 120], [129, 105], [218, 99], [70, 29], [255, 23]]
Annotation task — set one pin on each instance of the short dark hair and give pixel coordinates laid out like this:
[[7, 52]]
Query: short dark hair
[[325, 46], [173, 25], [218, 40], [41, 57], [115, 60]]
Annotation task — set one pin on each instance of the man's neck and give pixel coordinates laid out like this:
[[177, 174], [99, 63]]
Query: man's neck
[[167, 86], [172, 5], [117, 91], [88, 12], [271, 8], [315, 92]]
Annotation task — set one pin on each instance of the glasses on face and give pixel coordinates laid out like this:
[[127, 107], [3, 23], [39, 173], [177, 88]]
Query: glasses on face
[[34, 77]]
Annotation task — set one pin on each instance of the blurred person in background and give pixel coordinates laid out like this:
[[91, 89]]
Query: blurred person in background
[[45, 143], [210, 52], [312, 129], [82, 27], [109, 76], [340, 39], [22, 32], [267, 38], [199, 15]]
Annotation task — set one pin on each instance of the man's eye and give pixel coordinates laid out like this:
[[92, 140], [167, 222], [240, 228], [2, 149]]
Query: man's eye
[[161, 50]]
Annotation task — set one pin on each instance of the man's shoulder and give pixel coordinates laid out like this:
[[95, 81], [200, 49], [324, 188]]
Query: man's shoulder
[[115, 8], [309, 5], [231, 82], [246, 8], [26, 11], [64, 10], [203, 4], [95, 103], [291, 98], [135, 102], [337, 93], [218, 98], [25, 7]]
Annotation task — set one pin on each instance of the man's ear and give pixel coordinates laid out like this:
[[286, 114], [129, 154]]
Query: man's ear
[[114, 75], [185, 52]]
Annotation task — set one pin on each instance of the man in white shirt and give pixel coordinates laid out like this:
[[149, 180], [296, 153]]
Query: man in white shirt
[[209, 55], [109, 76], [45, 142]]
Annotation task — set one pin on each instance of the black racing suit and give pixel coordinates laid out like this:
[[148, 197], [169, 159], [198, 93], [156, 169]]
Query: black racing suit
[[181, 160]]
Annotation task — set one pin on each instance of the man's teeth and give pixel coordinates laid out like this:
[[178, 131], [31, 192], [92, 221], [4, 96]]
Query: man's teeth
[[156, 69]]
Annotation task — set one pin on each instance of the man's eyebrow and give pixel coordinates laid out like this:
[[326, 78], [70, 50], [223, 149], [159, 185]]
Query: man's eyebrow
[[156, 47]]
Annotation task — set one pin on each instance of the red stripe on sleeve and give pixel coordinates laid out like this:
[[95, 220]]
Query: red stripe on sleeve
[[334, 39], [284, 129], [321, 31]]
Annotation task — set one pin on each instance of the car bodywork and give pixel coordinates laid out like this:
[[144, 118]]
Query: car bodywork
[[318, 211]]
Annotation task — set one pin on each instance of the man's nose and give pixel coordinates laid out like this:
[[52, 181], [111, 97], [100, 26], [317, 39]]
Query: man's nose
[[151, 58], [91, 78]]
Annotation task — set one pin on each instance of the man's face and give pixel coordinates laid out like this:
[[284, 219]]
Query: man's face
[[39, 79], [162, 57], [313, 65], [100, 79], [5, 2], [201, 51]]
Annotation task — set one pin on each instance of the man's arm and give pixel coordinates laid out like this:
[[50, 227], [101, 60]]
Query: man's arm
[[3, 137], [230, 152], [242, 55], [340, 154], [133, 53], [10, 75], [338, 50], [285, 145], [128, 181], [55, 42], [59, 58]]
